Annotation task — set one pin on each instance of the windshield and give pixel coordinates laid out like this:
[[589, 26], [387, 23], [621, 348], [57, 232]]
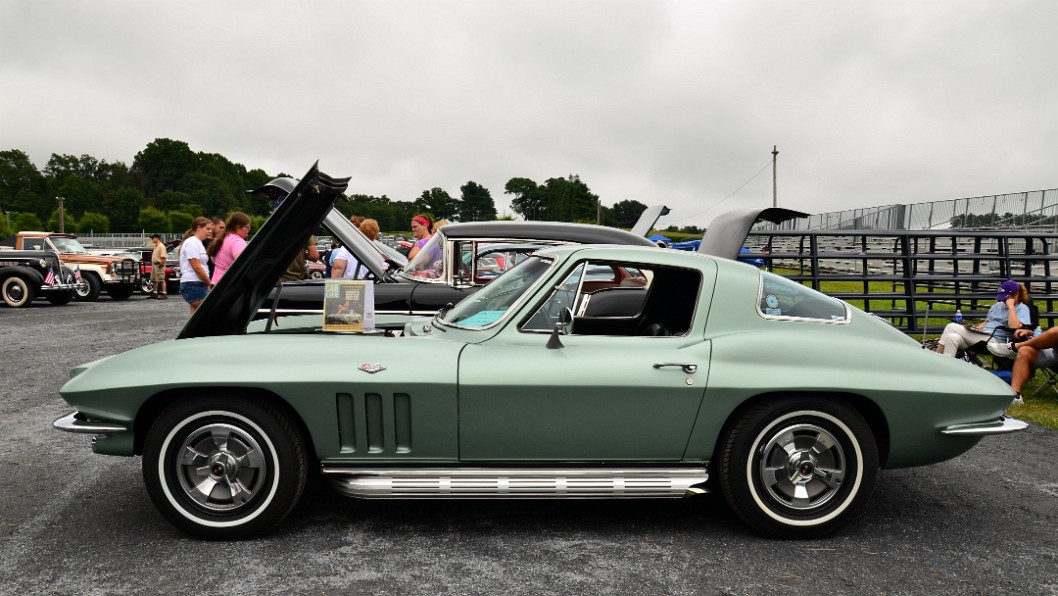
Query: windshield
[[68, 245], [391, 253], [428, 263], [495, 300]]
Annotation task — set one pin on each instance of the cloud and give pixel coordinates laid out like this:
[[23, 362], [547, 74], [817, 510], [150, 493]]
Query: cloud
[[674, 102]]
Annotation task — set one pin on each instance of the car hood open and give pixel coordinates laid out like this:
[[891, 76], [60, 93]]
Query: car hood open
[[232, 303], [727, 233]]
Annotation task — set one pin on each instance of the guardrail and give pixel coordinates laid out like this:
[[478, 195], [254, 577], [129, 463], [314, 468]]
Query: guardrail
[[898, 273], [118, 240]]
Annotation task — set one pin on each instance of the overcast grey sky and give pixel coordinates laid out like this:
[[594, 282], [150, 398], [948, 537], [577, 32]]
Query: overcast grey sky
[[870, 103]]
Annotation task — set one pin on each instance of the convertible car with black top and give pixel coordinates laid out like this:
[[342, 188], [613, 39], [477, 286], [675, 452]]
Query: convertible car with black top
[[460, 258], [582, 371]]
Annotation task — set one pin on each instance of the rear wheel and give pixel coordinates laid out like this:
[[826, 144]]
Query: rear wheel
[[146, 285], [798, 467], [224, 467], [89, 288], [16, 292]]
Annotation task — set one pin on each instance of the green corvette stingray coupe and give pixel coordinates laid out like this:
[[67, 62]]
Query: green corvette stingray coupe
[[582, 372]]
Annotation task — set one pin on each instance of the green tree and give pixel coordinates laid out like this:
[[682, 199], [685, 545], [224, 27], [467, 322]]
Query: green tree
[[79, 194], [529, 201], [626, 213], [69, 223], [24, 222], [162, 164], [153, 220], [476, 203], [94, 223], [169, 200], [123, 209], [256, 221], [437, 202], [179, 221], [569, 199], [22, 187], [211, 193]]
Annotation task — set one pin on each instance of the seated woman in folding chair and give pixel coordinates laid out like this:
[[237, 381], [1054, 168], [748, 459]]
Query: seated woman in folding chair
[[1032, 352], [1010, 312]]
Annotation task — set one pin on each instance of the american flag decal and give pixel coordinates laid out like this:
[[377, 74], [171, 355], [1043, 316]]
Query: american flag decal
[[49, 279]]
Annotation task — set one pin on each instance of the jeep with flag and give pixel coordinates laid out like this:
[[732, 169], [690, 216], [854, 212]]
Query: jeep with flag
[[119, 276], [29, 274]]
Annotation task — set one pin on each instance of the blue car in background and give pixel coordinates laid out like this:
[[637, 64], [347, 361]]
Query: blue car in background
[[692, 245]]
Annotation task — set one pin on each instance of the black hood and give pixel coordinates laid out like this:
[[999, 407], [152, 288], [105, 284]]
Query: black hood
[[727, 233], [232, 303]]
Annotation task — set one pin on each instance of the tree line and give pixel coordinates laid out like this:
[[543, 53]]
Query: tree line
[[168, 185]]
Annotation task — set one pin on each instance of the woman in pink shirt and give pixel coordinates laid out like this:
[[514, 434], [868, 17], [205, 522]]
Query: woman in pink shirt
[[224, 251]]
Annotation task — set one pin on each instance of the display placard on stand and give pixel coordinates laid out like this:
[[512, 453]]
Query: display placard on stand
[[349, 305]]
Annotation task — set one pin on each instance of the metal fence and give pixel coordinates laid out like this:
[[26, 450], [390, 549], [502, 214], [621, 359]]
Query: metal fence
[[1031, 210]]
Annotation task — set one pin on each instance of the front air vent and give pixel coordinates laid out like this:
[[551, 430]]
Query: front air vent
[[373, 423]]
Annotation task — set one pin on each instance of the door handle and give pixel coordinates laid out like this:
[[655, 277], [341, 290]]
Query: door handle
[[687, 368]]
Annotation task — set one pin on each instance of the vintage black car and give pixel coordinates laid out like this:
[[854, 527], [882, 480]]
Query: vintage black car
[[29, 274], [458, 260]]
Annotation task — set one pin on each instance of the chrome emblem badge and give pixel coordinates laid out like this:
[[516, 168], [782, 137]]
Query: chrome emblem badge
[[371, 368]]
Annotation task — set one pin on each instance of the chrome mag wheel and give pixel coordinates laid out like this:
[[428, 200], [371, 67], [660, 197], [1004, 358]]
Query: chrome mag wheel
[[221, 467]]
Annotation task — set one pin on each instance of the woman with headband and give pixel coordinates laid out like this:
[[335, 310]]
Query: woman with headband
[[422, 229]]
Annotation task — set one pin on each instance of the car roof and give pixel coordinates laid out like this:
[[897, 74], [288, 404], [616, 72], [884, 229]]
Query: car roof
[[541, 230]]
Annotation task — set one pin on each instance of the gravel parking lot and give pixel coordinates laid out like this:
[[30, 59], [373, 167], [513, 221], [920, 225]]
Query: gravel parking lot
[[72, 522]]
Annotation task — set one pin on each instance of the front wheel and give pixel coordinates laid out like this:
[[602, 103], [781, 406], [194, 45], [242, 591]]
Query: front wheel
[[798, 467], [146, 285], [88, 289], [224, 467], [16, 291]]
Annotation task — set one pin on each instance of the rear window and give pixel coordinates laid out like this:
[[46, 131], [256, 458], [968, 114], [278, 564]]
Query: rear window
[[782, 298]]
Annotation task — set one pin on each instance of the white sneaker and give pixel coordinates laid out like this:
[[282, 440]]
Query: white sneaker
[[1018, 400]]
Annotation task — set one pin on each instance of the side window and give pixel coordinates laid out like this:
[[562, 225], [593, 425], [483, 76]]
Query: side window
[[785, 299], [33, 244], [613, 298], [563, 296]]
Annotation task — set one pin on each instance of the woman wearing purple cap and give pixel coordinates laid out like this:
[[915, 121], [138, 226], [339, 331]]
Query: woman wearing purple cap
[[1011, 311]]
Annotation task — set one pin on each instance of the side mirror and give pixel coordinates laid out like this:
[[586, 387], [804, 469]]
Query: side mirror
[[563, 327], [565, 321]]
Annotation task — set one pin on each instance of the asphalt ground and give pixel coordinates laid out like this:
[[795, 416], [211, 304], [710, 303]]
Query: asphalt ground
[[72, 522]]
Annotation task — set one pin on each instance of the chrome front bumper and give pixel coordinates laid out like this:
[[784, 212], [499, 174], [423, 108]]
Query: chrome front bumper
[[71, 423], [1004, 425]]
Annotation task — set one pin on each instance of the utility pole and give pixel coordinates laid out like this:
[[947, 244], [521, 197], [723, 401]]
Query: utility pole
[[62, 226], [774, 179]]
